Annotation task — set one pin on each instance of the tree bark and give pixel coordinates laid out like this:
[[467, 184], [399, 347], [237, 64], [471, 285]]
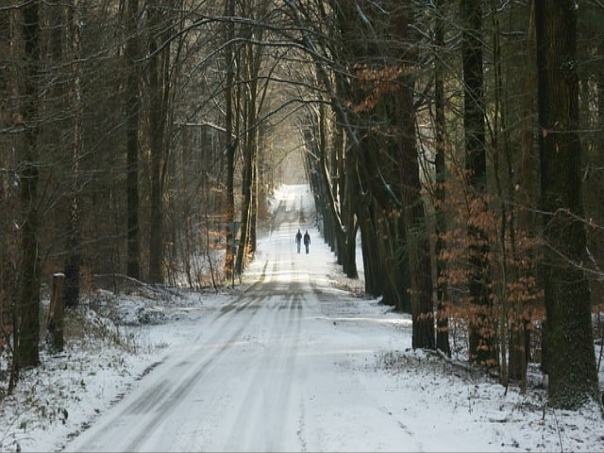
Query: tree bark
[[72, 261], [254, 206], [253, 59], [231, 144], [442, 320], [482, 349], [350, 200], [28, 326], [527, 198], [416, 232], [157, 127], [55, 322], [247, 181], [132, 109], [570, 361]]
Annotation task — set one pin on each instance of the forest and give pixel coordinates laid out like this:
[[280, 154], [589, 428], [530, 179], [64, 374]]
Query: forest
[[458, 143]]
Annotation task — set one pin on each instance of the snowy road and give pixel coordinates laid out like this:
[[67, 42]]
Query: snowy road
[[268, 371]]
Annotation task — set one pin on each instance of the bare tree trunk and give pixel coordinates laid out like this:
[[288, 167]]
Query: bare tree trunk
[[416, 232], [371, 264], [254, 206], [247, 184], [9, 285], [132, 125], [598, 178], [55, 324], [442, 320], [482, 348], [594, 184], [28, 326], [252, 61], [349, 201], [157, 122], [72, 261], [527, 197], [571, 361], [231, 145]]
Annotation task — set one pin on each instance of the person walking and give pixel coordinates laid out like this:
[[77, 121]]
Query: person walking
[[298, 239], [307, 241]]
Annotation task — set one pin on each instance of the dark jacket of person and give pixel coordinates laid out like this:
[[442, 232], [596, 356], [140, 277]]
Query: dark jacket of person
[[306, 238]]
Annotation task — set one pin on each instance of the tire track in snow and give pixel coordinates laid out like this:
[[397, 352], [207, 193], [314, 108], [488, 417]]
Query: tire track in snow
[[261, 415], [235, 303], [154, 400], [301, 431], [243, 427], [288, 356], [186, 386]]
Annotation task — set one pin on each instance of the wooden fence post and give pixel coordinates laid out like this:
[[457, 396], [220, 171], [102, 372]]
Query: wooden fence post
[[55, 314]]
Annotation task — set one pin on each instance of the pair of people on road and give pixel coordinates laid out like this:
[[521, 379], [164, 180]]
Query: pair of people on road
[[306, 240]]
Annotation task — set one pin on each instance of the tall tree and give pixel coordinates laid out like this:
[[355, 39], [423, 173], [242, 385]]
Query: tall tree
[[158, 62], [28, 323], [365, 52], [132, 109], [231, 143], [442, 331], [481, 343], [570, 360], [251, 65], [253, 56], [72, 260], [414, 218]]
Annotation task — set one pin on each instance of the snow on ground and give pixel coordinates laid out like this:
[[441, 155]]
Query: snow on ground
[[290, 362], [113, 341], [54, 400]]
